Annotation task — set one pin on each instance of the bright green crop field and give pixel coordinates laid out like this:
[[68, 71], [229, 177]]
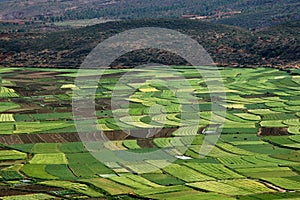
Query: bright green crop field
[[257, 155]]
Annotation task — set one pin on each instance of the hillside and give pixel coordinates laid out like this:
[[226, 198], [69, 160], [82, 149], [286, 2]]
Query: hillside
[[227, 45], [243, 13]]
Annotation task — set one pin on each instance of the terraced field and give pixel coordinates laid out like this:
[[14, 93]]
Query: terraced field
[[256, 157]]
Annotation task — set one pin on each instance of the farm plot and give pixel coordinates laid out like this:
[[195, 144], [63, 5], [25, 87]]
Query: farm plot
[[9, 175], [157, 190], [7, 92], [72, 147], [269, 159], [163, 179], [12, 155], [185, 173], [294, 130], [131, 144], [139, 167], [37, 171], [233, 149], [292, 122], [38, 127], [133, 181], [267, 172], [186, 131], [61, 171], [277, 195], [273, 123], [89, 169], [295, 138], [85, 165], [248, 116], [262, 148], [22, 147], [115, 145], [282, 141], [6, 106], [232, 187], [163, 120], [7, 118], [52, 116], [43, 148], [286, 182], [255, 104], [217, 171], [162, 142], [49, 158], [215, 151], [189, 194], [37, 196], [235, 162], [109, 186], [77, 187]]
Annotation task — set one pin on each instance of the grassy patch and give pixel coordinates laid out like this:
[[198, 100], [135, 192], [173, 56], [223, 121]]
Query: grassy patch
[[133, 181], [60, 171], [49, 158], [217, 171], [131, 144], [85, 165], [38, 127], [284, 183], [185, 173], [109, 186], [163, 179], [43, 148], [37, 171], [12, 155], [270, 172], [5, 106], [10, 175], [72, 147]]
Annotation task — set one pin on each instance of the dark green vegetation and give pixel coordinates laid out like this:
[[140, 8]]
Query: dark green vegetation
[[256, 157], [244, 13], [276, 46]]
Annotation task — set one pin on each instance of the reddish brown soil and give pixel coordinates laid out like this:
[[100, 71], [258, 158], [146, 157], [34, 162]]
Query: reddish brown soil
[[273, 131], [74, 137], [10, 139], [42, 75], [38, 188], [146, 143], [6, 191], [63, 109], [39, 138], [27, 189]]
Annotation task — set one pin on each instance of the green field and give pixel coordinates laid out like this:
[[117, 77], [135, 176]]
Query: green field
[[257, 155]]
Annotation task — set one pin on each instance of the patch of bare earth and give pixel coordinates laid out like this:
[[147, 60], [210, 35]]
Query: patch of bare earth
[[273, 131], [74, 137]]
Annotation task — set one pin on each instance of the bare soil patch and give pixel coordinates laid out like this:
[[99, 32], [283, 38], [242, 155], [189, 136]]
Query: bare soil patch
[[74, 137], [146, 143], [7, 191], [38, 188], [273, 131]]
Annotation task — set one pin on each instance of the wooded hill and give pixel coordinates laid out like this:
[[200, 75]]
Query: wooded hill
[[248, 13], [227, 45]]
